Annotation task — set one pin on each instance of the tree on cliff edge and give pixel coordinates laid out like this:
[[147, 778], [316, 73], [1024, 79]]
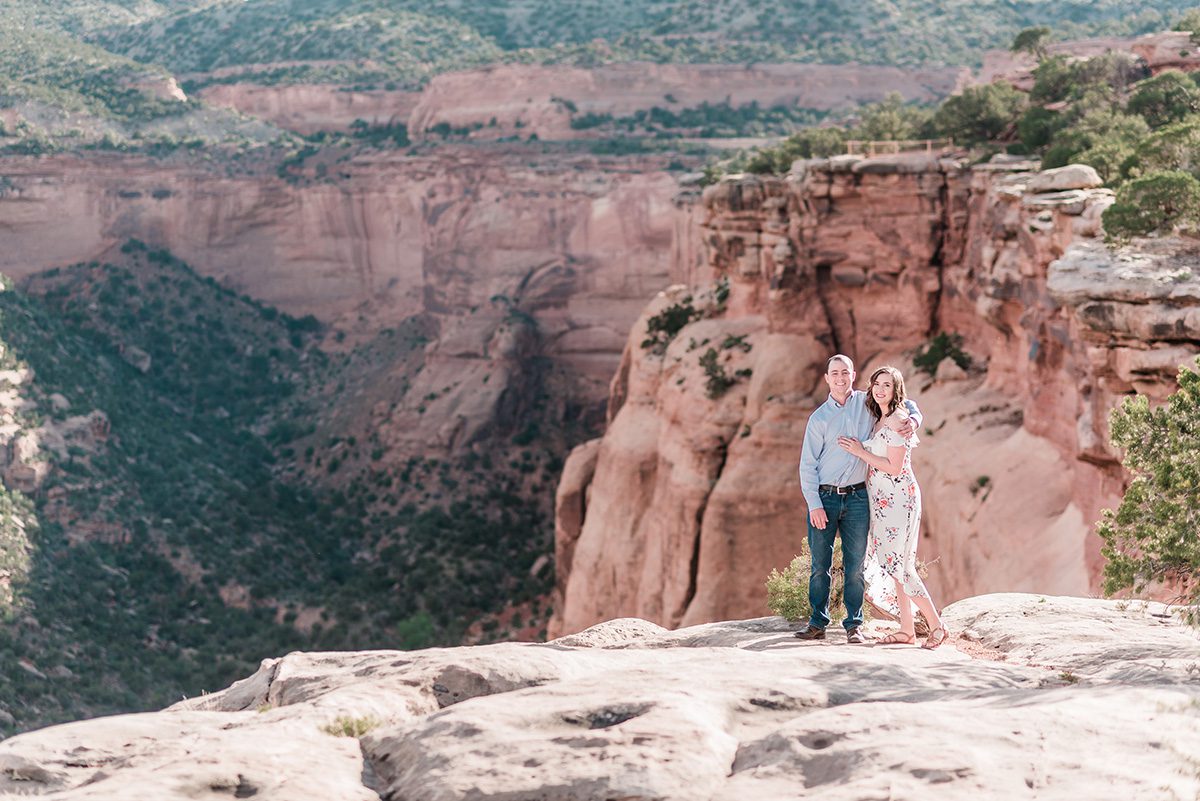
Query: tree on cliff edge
[[1158, 202], [1032, 41], [1152, 536]]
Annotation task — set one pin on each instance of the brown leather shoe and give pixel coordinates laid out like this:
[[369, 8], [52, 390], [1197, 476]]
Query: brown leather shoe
[[854, 636], [810, 633]]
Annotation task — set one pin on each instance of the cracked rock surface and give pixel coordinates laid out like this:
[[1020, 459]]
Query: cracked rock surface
[[1037, 697]]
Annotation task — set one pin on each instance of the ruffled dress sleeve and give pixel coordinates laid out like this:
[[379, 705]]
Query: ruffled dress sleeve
[[894, 440]]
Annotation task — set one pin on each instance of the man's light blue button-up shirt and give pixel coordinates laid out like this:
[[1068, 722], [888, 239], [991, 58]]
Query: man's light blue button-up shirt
[[822, 460]]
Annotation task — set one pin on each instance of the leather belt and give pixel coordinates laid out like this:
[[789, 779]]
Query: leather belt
[[846, 490]]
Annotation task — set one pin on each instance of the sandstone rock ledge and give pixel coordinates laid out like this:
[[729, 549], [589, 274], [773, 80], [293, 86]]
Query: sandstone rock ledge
[[1064, 698]]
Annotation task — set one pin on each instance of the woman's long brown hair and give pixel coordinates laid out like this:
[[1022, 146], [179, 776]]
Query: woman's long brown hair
[[898, 394]]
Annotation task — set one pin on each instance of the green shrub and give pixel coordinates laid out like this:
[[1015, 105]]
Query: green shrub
[[1158, 202], [787, 592], [347, 726], [979, 114], [1032, 41], [892, 118], [804, 144], [1172, 147], [1151, 538], [1167, 97], [1102, 139], [943, 346], [664, 326], [718, 381]]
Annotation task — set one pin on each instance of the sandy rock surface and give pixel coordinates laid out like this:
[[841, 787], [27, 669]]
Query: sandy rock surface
[[1038, 697]]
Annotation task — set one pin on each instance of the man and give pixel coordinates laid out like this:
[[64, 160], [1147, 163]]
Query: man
[[835, 489]]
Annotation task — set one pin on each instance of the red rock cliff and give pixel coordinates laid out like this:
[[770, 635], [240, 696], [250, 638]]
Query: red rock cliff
[[470, 238], [679, 512]]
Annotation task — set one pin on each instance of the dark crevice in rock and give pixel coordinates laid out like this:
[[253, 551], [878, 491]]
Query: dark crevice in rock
[[824, 280], [608, 716], [244, 788], [694, 564], [267, 699], [370, 776], [941, 232]]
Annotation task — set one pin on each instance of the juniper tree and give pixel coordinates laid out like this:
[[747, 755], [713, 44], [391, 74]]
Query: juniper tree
[[1032, 41], [1154, 535], [1160, 201]]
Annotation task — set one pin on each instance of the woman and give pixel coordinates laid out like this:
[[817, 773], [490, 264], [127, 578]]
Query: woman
[[895, 502]]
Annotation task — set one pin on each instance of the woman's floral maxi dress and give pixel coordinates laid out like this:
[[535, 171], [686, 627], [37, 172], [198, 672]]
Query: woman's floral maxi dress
[[895, 525]]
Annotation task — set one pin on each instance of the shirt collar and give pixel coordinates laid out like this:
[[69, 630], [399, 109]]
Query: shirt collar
[[833, 402]]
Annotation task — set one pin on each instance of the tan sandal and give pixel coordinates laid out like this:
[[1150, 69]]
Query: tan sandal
[[898, 638], [936, 638]]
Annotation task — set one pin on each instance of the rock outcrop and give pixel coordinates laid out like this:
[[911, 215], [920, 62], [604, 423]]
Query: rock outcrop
[[694, 496], [521, 100], [1156, 51], [308, 108], [721, 711]]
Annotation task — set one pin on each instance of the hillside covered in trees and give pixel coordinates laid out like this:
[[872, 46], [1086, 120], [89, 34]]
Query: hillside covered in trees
[[448, 32], [1139, 131], [178, 537], [103, 73]]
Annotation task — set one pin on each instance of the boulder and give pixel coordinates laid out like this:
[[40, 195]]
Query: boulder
[[138, 358], [1062, 179]]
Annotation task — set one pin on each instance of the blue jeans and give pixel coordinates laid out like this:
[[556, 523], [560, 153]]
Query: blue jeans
[[850, 516]]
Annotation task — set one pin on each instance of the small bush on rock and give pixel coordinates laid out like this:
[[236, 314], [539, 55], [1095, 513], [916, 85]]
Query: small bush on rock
[[1151, 537], [787, 592], [347, 726], [663, 326], [943, 346]]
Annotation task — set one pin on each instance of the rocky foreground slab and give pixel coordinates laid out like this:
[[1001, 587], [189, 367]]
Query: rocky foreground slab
[[1038, 697]]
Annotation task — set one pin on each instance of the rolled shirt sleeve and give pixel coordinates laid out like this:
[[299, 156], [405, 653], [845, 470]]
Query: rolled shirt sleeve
[[810, 454], [914, 413]]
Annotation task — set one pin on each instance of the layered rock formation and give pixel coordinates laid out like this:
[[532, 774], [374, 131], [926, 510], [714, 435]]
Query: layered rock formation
[[721, 711], [693, 496], [507, 254], [308, 108], [523, 100]]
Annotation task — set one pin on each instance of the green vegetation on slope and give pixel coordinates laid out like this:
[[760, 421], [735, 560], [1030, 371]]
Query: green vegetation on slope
[[62, 72], [78, 16], [367, 40], [408, 40], [402, 43], [178, 553], [1141, 133]]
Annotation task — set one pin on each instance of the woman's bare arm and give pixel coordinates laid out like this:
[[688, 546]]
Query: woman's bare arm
[[892, 464]]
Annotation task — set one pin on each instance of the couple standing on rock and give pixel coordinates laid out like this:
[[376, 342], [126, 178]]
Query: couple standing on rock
[[857, 477]]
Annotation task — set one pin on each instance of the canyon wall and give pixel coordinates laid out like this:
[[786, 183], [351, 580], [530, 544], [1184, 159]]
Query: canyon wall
[[679, 512], [508, 253], [525, 99], [308, 108]]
